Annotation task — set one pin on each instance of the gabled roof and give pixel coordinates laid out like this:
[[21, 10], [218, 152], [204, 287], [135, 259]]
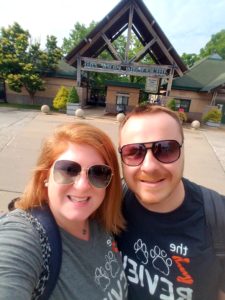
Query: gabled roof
[[143, 25], [204, 76], [63, 70]]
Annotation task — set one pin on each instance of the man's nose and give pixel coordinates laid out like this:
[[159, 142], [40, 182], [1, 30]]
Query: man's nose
[[149, 162]]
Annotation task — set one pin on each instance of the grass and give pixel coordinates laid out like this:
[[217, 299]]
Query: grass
[[21, 106], [25, 106]]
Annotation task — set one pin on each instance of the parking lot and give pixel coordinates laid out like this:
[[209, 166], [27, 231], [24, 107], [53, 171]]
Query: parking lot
[[22, 132]]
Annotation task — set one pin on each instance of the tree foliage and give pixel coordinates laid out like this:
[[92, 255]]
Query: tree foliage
[[23, 64], [215, 45], [79, 32], [189, 59]]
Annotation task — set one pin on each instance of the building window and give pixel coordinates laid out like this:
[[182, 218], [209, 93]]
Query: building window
[[183, 104], [121, 102]]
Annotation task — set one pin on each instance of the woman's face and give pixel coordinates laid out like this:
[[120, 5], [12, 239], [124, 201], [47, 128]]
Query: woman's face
[[77, 201]]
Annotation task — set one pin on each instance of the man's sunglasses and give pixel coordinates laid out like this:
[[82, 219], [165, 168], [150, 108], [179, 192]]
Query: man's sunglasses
[[166, 151], [66, 172]]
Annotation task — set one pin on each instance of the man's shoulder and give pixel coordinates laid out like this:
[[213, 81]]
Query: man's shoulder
[[190, 185], [214, 208]]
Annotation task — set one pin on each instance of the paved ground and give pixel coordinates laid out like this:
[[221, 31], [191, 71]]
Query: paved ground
[[22, 132]]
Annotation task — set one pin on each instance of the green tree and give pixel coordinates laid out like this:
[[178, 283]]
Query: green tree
[[51, 56], [190, 59], [23, 64], [61, 98], [215, 45], [79, 32], [73, 96]]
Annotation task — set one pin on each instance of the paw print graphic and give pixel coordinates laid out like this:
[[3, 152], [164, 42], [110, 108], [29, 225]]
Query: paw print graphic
[[111, 264], [102, 278], [141, 251], [160, 260]]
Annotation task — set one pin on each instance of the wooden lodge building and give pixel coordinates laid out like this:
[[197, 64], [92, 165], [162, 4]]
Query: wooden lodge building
[[127, 18], [165, 78]]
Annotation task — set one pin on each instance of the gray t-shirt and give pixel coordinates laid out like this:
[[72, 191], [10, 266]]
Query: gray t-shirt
[[90, 269]]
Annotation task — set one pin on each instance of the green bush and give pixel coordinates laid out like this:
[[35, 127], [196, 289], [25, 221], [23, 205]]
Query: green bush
[[73, 96], [171, 104], [213, 115], [60, 100]]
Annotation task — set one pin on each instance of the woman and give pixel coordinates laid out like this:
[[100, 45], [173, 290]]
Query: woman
[[77, 176]]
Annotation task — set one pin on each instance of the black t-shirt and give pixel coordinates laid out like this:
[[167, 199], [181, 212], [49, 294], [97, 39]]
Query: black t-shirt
[[169, 255]]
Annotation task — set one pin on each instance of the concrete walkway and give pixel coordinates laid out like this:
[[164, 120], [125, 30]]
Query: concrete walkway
[[22, 132]]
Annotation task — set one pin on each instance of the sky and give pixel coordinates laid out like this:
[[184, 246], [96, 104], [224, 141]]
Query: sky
[[188, 24]]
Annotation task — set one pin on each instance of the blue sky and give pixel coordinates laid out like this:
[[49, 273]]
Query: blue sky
[[188, 24]]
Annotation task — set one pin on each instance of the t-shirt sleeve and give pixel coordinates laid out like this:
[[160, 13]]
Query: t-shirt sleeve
[[20, 258]]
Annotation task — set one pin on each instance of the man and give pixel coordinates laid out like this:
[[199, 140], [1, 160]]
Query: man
[[167, 250]]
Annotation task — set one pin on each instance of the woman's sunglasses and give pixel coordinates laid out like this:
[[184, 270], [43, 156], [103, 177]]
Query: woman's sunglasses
[[66, 172], [166, 151]]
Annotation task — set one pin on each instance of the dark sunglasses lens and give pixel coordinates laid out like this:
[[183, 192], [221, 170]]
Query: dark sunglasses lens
[[166, 151], [100, 176], [64, 171], [133, 154]]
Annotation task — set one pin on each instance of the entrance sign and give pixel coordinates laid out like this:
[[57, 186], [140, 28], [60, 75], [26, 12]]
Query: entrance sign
[[152, 85], [97, 65]]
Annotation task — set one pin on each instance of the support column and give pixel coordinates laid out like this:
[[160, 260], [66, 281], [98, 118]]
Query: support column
[[78, 72]]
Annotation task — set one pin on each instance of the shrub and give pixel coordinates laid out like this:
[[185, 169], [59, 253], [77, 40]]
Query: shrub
[[60, 100], [182, 116], [171, 104], [73, 96], [213, 115]]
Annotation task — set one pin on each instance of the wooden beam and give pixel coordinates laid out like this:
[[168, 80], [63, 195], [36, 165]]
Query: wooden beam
[[116, 67], [131, 12], [143, 50], [78, 71], [111, 48], [108, 25], [169, 84], [213, 98], [154, 34]]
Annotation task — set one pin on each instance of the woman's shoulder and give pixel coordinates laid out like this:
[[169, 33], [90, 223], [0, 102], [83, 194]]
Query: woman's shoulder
[[18, 222], [15, 216]]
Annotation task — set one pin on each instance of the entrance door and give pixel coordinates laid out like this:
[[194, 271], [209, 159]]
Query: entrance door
[[97, 97]]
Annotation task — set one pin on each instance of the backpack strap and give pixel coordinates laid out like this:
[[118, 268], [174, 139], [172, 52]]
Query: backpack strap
[[214, 206], [44, 216], [124, 187]]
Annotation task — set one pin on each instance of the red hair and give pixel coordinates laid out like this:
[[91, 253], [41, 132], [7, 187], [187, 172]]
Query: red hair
[[35, 193]]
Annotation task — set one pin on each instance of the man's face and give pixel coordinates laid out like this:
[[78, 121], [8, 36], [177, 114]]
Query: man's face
[[157, 185]]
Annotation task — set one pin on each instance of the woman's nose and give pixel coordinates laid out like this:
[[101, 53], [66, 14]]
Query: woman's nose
[[81, 180]]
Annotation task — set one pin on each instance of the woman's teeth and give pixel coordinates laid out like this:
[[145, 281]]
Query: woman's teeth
[[75, 199]]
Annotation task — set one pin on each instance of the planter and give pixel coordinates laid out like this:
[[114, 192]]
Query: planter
[[212, 124], [71, 108]]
